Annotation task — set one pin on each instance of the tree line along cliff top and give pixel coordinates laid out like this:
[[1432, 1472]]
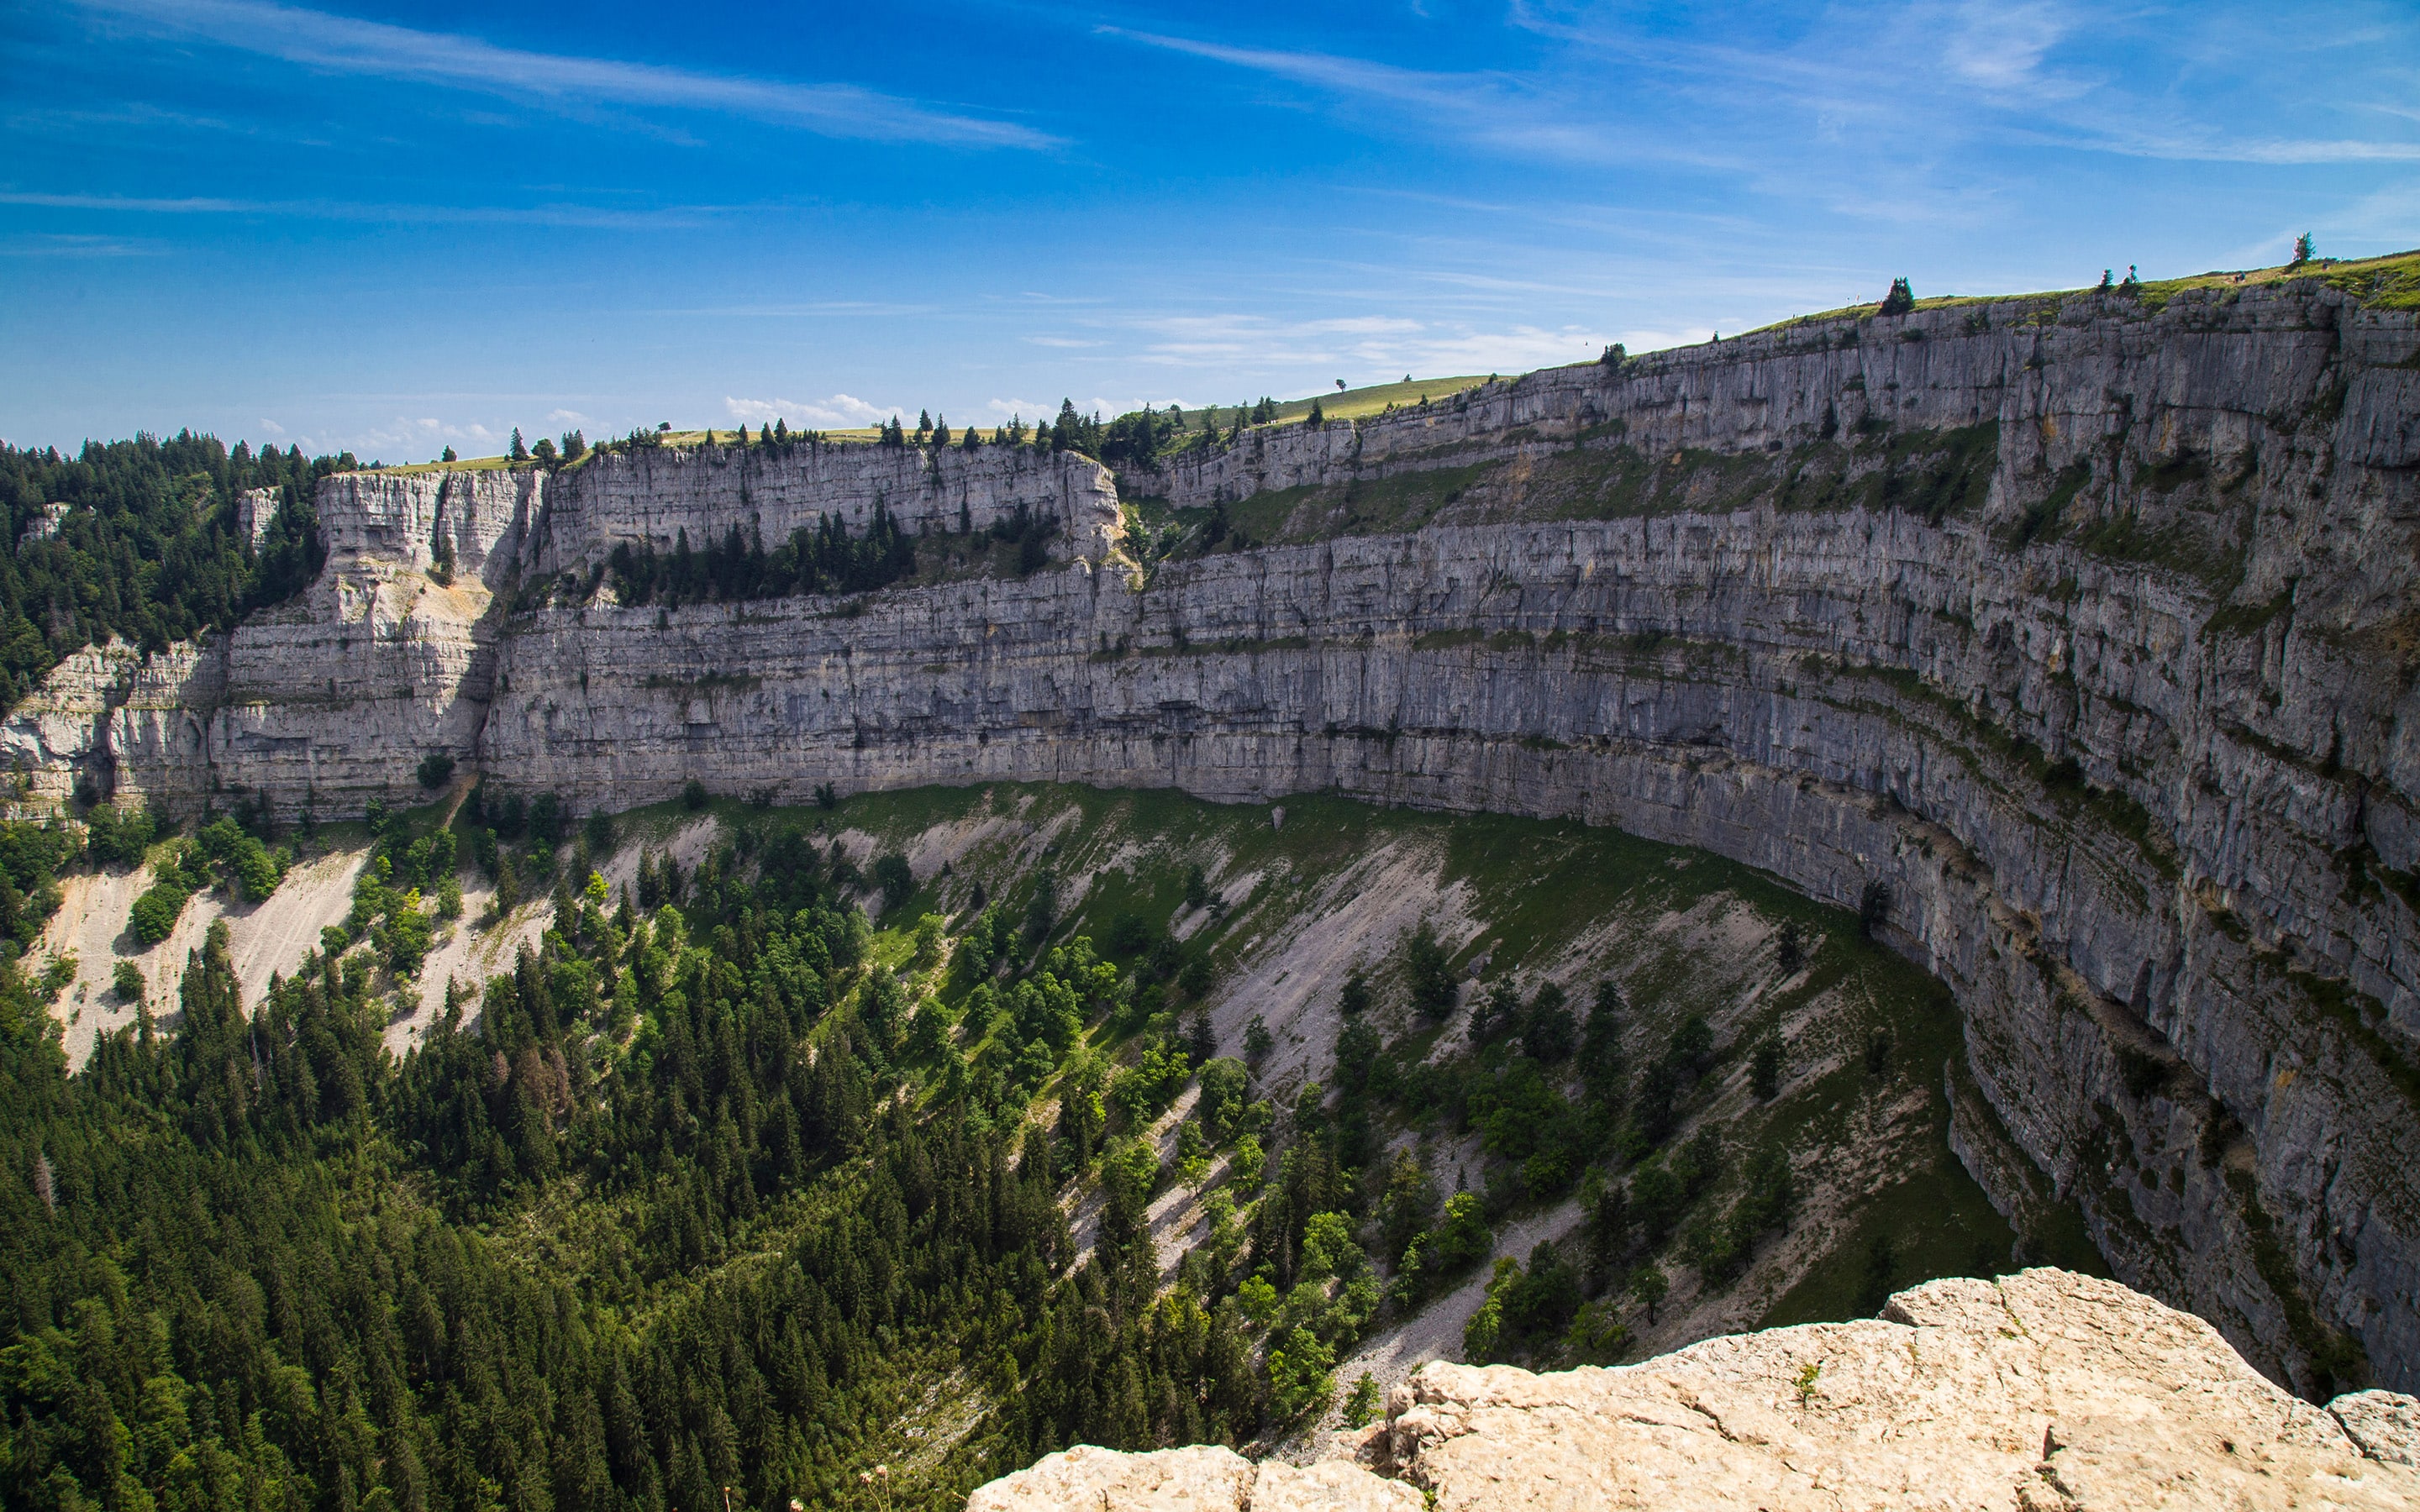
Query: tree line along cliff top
[[143, 539], [2391, 280]]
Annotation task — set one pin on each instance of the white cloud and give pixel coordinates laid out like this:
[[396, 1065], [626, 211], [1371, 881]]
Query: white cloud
[[1864, 98], [1516, 350], [342, 44], [842, 411], [188, 206], [2001, 46], [1365, 325], [1361, 348], [1355, 75], [1520, 114], [1654, 341], [567, 417], [68, 244], [1069, 342], [667, 218], [272, 428], [2383, 218]]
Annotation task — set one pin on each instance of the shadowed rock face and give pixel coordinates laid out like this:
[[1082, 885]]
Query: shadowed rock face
[[2038, 1390], [2077, 636]]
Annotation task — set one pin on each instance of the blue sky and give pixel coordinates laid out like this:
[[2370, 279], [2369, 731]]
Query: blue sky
[[392, 229]]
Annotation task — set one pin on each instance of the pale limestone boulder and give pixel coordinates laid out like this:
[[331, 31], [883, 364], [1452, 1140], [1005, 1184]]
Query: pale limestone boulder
[[1199, 1479], [2041, 1391], [2385, 1423], [1331, 1486], [1203, 1478]]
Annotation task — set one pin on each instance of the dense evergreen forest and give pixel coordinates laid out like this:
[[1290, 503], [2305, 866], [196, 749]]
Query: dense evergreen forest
[[147, 546], [821, 559], [701, 1199], [722, 1186]]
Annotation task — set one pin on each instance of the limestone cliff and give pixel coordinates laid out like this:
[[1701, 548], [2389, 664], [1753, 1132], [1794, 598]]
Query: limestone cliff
[[390, 655], [2045, 1390], [2081, 627]]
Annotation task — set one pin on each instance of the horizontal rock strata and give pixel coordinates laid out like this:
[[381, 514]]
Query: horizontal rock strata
[[2079, 632]]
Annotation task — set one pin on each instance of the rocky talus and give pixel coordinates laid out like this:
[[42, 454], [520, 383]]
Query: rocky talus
[[2038, 1390], [2072, 638]]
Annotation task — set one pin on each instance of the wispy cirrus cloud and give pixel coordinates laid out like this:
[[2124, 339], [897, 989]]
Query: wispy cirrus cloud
[[1358, 75], [605, 218], [1366, 349], [342, 45], [1522, 112], [187, 205], [2211, 146], [841, 411], [57, 245], [1878, 81]]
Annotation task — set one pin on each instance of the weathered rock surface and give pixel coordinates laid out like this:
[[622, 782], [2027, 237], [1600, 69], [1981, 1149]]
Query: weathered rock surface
[[2041, 1390], [2084, 630], [391, 656], [1203, 1478]]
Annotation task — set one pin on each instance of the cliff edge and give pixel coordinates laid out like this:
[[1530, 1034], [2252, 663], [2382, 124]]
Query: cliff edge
[[2036, 1391], [2068, 638]]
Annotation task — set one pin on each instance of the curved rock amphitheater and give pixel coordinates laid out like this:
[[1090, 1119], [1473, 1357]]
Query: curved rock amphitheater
[[2081, 631]]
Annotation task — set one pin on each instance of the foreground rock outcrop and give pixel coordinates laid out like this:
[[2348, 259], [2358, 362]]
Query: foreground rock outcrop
[[2041, 1390]]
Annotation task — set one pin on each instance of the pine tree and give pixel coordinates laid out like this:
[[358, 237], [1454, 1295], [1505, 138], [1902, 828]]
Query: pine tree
[[1900, 300], [520, 452], [2305, 248], [1318, 416], [1765, 1069]]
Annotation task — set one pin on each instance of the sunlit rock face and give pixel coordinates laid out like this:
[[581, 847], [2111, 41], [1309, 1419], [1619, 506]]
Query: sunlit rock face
[[2075, 636], [2038, 1390]]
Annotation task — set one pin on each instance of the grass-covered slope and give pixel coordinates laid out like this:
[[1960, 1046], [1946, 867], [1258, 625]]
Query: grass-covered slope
[[1716, 1031], [2389, 282]]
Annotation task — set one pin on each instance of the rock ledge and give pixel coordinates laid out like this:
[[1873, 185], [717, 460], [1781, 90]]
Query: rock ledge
[[2039, 1391]]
